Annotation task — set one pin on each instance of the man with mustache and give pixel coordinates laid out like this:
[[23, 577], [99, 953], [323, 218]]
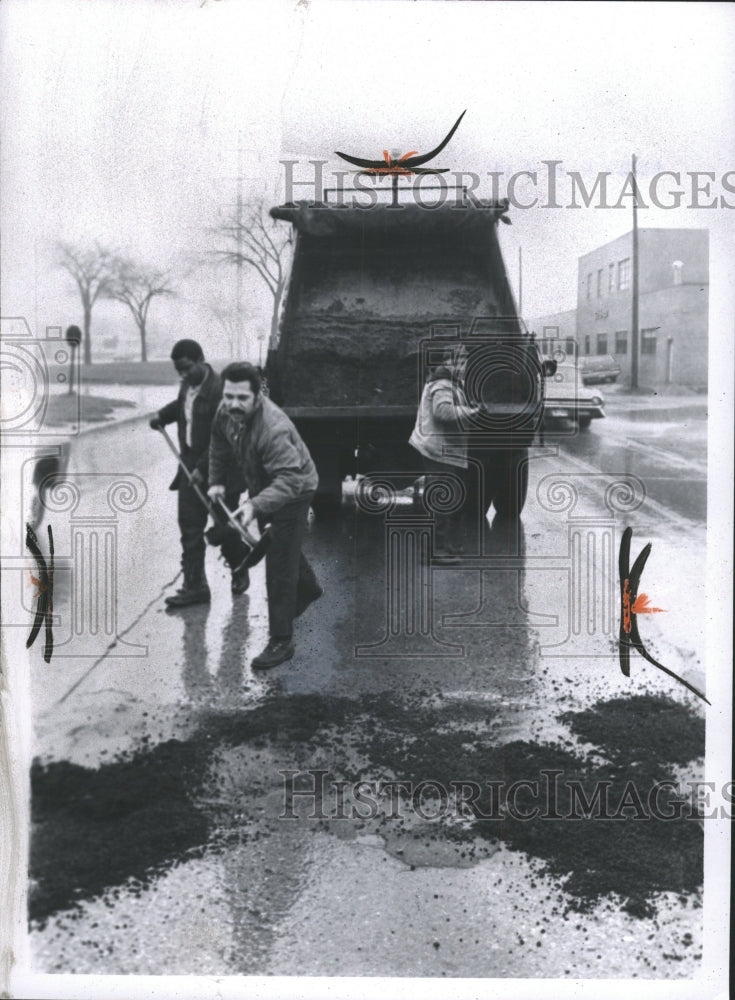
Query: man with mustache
[[253, 435], [193, 410]]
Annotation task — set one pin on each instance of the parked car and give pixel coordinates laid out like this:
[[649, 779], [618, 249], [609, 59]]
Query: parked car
[[599, 368], [567, 398]]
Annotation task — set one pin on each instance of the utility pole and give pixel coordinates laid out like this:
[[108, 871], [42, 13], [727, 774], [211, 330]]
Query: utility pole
[[238, 269], [634, 318], [520, 282]]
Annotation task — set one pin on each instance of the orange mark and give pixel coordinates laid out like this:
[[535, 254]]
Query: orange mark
[[642, 607], [42, 588], [392, 165], [638, 607]]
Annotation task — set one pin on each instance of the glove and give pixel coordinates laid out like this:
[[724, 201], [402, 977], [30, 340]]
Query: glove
[[155, 423], [198, 479], [245, 513]]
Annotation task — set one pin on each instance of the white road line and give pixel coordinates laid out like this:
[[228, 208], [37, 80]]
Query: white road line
[[676, 460], [658, 509], [120, 635]]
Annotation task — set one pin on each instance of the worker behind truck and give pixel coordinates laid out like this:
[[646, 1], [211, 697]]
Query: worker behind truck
[[192, 411], [440, 438]]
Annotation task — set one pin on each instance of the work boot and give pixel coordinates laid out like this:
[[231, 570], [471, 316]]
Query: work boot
[[240, 580], [277, 651], [184, 582], [196, 589], [200, 594], [236, 554]]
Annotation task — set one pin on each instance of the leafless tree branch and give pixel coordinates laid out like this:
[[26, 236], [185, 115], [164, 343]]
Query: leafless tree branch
[[136, 286], [251, 240], [91, 270]]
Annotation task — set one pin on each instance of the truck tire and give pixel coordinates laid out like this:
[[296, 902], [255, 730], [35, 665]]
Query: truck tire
[[510, 481], [327, 502], [584, 423], [329, 466]]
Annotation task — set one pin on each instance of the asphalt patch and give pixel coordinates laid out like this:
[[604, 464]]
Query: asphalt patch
[[94, 829], [645, 728]]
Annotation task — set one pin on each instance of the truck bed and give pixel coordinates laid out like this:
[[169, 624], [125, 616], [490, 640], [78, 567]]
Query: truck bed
[[368, 290]]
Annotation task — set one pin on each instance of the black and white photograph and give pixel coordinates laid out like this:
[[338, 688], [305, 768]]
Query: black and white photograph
[[367, 448]]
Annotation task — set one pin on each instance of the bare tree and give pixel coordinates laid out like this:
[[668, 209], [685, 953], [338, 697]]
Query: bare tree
[[137, 286], [252, 238], [91, 271]]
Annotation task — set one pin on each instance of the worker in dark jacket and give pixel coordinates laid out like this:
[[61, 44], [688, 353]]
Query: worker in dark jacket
[[252, 434], [193, 411]]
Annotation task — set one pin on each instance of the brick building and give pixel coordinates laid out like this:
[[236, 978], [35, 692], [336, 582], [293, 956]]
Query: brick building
[[556, 331], [673, 304]]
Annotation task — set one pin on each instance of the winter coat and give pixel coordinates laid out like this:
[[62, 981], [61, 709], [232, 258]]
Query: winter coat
[[203, 410], [268, 450], [440, 420]]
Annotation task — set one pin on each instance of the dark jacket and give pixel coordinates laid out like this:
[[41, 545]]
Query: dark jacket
[[205, 406], [268, 450]]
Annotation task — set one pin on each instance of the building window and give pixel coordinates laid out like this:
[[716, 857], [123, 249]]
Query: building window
[[589, 286], [611, 277], [621, 341], [586, 343], [599, 284], [570, 347], [678, 266], [624, 274], [648, 342], [602, 343]]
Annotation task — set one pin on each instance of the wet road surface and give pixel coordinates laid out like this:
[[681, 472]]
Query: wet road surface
[[662, 440], [191, 817]]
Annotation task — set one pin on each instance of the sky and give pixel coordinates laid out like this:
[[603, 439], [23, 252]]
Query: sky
[[127, 122]]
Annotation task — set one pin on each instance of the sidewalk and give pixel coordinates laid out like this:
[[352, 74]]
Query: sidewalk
[[647, 397], [103, 406]]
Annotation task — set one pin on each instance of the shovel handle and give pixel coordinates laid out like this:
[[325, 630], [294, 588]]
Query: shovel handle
[[247, 537], [242, 531]]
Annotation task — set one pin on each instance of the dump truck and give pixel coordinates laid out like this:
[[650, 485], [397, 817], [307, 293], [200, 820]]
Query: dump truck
[[375, 298]]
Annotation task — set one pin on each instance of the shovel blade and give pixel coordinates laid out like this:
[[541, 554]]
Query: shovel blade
[[257, 552]]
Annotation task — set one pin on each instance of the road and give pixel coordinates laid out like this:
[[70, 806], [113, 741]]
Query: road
[[178, 829], [663, 440]]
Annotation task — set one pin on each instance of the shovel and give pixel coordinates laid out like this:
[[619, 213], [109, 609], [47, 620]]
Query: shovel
[[216, 534]]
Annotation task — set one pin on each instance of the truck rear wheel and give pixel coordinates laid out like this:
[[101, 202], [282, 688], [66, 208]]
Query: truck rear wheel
[[327, 502], [330, 468]]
